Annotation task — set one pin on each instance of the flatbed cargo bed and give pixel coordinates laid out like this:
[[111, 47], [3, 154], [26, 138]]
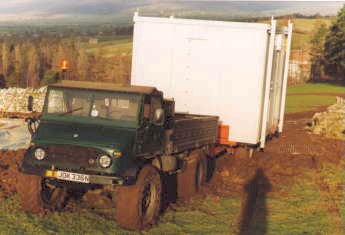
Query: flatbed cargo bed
[[193, 131]]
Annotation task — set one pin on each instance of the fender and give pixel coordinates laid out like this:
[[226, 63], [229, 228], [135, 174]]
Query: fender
[[130, 176]]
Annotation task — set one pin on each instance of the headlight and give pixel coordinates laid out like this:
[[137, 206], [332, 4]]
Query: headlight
[[105, 161], [39, 154]]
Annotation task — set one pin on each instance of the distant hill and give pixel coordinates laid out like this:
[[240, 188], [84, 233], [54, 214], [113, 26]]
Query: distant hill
[[121, 11]]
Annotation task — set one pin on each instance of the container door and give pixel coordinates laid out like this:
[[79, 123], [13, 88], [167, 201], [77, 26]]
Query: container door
[[288, 38], [276, 85]]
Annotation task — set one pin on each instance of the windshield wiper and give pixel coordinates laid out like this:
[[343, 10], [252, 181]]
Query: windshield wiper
[[72, 111]]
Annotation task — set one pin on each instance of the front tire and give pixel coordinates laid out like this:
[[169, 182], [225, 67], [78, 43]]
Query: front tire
[[36, 196], [138, 206]]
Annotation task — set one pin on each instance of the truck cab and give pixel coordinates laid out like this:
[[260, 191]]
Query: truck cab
[[96, 129]]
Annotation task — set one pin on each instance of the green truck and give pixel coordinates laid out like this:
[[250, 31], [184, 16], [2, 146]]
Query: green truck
[[122, 140]]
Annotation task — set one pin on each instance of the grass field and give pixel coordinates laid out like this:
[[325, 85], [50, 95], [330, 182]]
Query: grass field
[[303, 30], [302, 103], [316, 88], [112, 47], [305, 97]]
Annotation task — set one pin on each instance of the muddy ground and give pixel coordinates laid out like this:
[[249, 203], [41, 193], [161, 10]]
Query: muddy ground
[[284, 159], [282, 162]]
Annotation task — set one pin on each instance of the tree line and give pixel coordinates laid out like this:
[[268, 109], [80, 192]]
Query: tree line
[[328, 50], [35, 62]]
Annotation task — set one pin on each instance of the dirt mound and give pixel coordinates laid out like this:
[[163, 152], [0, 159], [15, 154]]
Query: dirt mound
[[9, 162]]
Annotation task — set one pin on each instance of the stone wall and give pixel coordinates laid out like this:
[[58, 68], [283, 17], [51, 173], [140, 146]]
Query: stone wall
[[15, 100], [331, 123]]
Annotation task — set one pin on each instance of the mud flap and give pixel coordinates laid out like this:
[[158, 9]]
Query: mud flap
[[186, 180], [187, 184]]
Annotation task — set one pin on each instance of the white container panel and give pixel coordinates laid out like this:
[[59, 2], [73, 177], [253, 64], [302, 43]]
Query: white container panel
[[152, 58]]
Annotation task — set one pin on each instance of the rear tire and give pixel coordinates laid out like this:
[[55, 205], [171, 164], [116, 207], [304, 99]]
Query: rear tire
[[191, 180], [36, 196], [138, 206], [201, 172]]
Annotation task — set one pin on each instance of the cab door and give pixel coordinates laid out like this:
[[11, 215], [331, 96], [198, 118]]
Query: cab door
[[157, 129], [154, 131]]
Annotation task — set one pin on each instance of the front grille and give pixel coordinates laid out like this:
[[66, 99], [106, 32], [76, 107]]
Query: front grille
[[73, 156]]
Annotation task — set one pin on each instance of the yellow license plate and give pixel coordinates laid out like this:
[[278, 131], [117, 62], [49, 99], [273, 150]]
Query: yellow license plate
[[69, 176]]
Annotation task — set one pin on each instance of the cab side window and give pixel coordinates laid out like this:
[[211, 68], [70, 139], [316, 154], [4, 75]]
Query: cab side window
[[147, 108], [156, 103]]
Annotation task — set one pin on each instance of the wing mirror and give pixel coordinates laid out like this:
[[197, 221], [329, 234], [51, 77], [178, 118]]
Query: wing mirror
[[30, 104], [158, 118]]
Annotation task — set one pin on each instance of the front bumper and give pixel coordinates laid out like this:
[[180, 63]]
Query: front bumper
[[93, 179]]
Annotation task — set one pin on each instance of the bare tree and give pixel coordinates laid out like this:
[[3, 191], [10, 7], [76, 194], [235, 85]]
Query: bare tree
[[33, 68], [5, 59], [83, 64]]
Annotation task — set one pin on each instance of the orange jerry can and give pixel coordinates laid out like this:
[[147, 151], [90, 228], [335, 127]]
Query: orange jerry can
[[223, 135]]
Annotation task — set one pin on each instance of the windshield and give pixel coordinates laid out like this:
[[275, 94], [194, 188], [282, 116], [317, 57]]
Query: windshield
[[94, 104]]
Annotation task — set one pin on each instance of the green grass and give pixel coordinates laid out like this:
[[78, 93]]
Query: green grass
[[198, 217], [112, 47], [298, 212], [304, 103], [305, 207], [298, 209], [14, 221], [301, 210], [308, 25], [202, 217], [316, 88]]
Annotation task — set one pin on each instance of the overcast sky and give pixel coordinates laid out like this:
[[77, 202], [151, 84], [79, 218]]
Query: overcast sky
[[12, 4], [27, 9]]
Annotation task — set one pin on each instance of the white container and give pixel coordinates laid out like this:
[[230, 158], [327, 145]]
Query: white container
[[217, 68]]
